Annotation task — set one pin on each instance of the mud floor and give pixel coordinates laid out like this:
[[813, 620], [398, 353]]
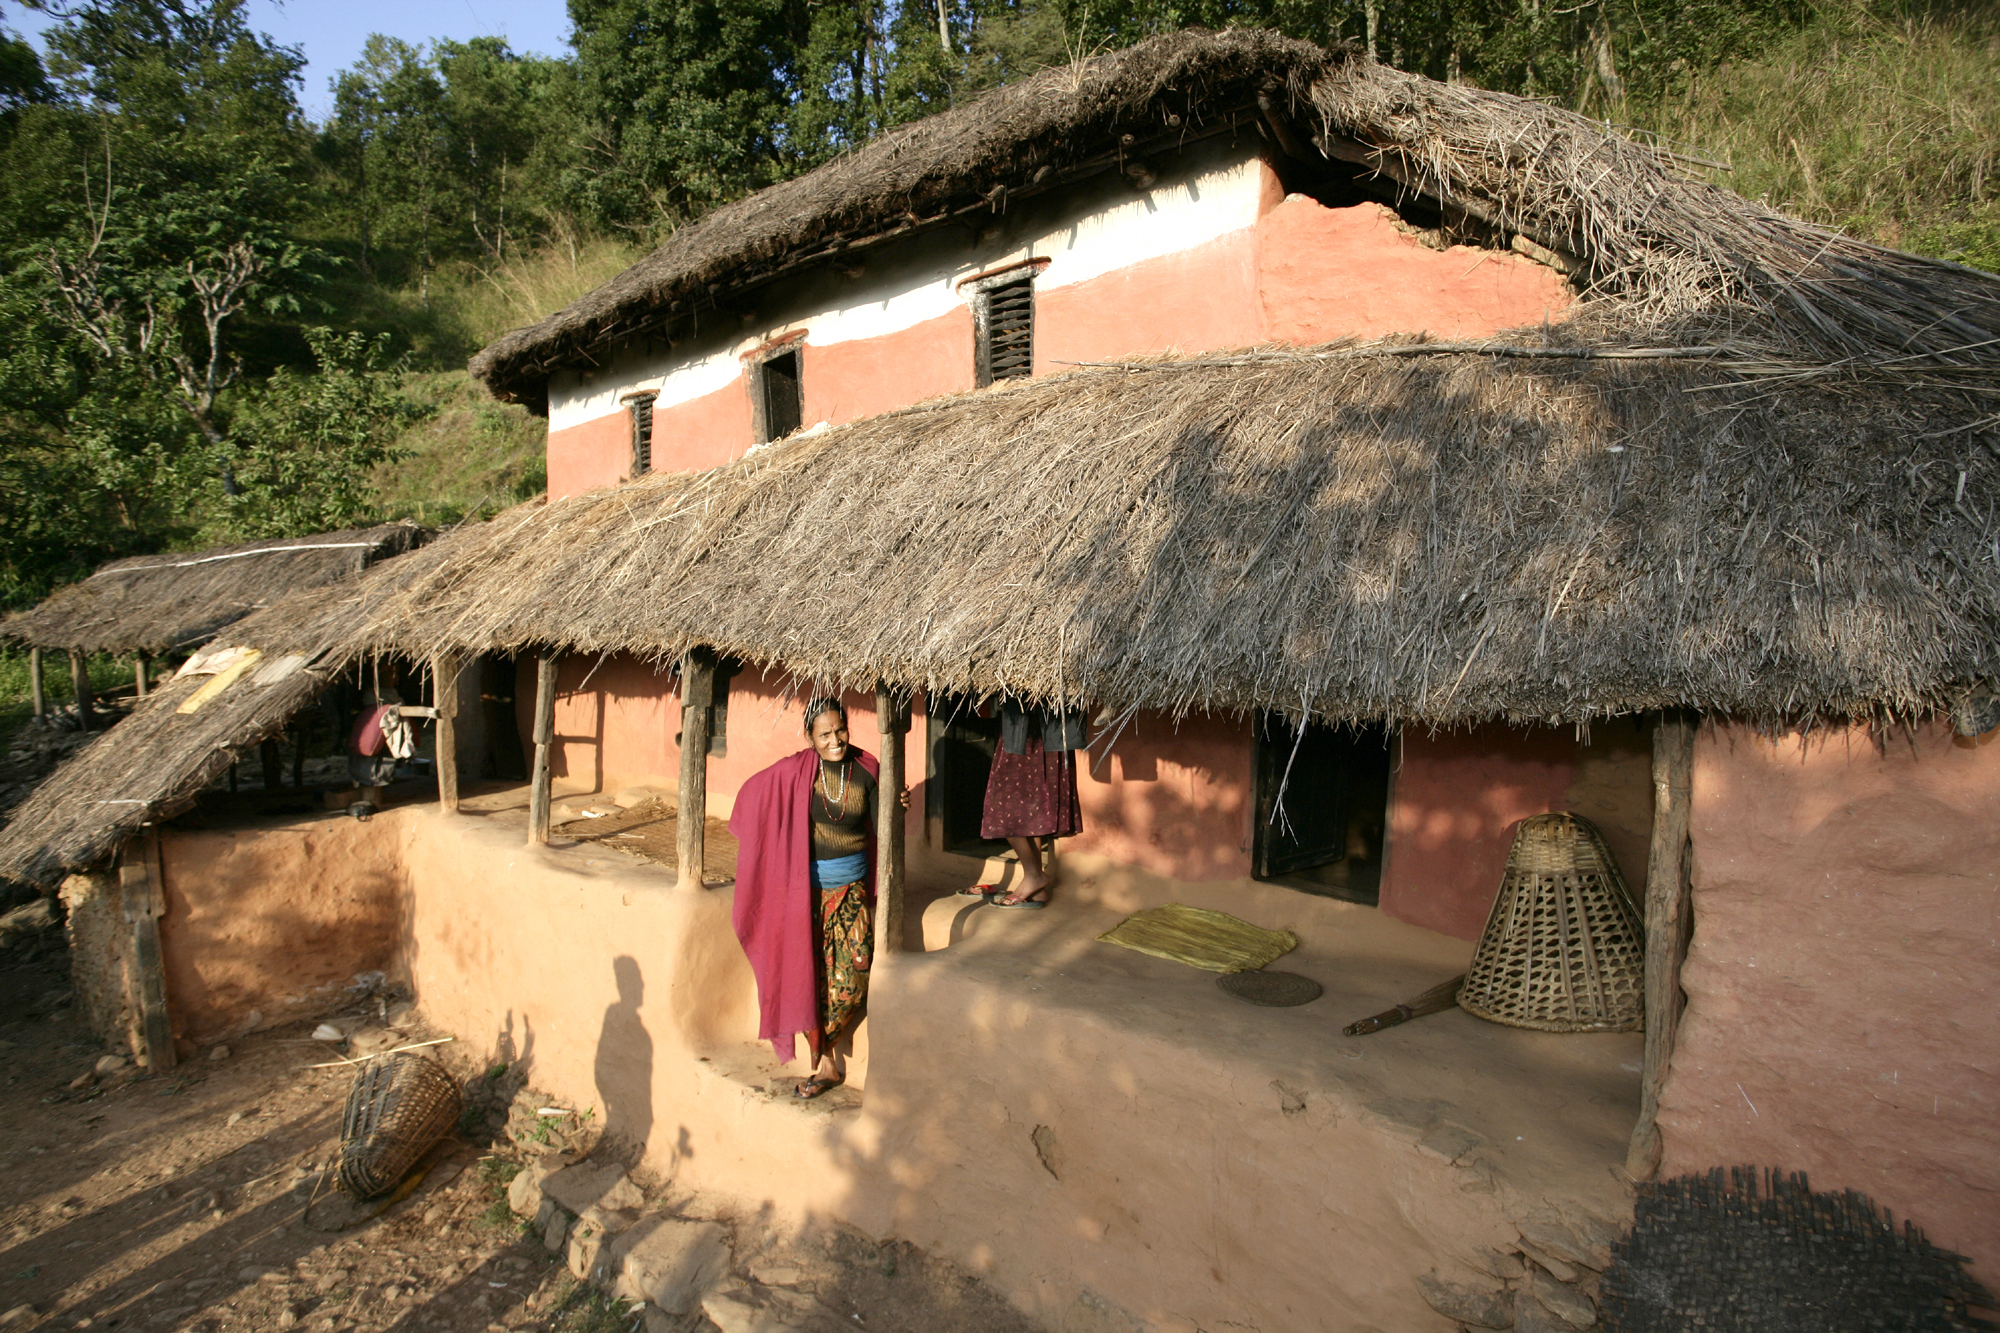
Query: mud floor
[[198, 1201]]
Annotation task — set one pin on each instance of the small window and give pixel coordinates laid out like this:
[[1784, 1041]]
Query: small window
[[1004, 326], [642, 434], [779, 401]]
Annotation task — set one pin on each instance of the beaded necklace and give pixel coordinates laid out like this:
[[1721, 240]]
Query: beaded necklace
[[836, 806]]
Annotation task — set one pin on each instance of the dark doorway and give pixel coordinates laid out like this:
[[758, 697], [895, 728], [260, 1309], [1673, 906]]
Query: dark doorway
[[961, 755], [1326, 833], [506, 761]]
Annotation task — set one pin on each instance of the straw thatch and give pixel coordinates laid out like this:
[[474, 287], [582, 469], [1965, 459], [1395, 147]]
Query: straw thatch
[[1667, 249], [1535, 529], [178, 601], [151, 765]]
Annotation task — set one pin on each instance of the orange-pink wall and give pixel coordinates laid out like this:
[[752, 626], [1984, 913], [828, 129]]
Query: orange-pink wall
[[865, 377], [1199, 300], [1172, 799], [1841, 1018], [1327, 273], [594, 453]]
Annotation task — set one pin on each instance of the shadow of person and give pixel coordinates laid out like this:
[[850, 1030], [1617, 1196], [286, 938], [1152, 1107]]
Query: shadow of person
[[624, 1063]]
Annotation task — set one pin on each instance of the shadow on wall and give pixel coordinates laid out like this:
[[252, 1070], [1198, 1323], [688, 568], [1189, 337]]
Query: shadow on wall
[[623, 1064]]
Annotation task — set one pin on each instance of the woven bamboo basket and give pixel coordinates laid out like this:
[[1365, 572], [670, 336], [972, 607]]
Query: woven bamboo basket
[[397, 1109], [1563, 950]]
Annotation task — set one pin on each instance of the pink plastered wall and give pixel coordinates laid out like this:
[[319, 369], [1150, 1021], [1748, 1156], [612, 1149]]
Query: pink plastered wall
[[1840, 1017], [1200, 299], [1172, 798], [1457, 798]]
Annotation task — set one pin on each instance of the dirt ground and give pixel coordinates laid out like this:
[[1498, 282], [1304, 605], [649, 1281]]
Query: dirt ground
[[650, 831], [198, 1201]]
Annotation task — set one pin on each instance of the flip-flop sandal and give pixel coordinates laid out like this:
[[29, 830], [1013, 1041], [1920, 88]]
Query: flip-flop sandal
[[1025, 904], [816, 1086], [985, 891]]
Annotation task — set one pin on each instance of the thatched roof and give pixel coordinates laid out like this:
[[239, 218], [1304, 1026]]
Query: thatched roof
[[153, 763], [180, 600], [1536, 529], [1671, 249]]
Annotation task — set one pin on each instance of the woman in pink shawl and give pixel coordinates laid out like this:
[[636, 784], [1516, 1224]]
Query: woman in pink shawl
[[804, 891]]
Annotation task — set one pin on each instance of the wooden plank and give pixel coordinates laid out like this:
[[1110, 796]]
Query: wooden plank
[[892, 717], [144, 897], [139, 682], [79, 680], [35, 691], [444, 745], [697, 697], [545, 739], [1669, 923], [270, 763]]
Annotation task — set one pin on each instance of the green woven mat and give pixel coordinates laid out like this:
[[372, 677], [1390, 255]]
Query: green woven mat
[[1214, 941]]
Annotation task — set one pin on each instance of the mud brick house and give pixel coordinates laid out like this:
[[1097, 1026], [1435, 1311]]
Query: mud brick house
[[1379, 463]]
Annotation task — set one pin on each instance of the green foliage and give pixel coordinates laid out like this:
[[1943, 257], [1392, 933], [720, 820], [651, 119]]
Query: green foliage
[[305, 445], [107, 675]]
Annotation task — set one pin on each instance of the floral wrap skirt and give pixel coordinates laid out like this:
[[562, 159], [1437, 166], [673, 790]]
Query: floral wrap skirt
[[846, 950]]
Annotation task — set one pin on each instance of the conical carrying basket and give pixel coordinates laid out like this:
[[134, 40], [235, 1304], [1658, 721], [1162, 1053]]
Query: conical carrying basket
[[399, 1106], [1564, 950]]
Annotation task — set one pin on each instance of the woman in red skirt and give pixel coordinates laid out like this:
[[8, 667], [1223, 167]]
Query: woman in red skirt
[[1031, 792]]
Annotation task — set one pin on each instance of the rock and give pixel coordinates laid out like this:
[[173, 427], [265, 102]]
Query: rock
[[1448, 1141], [659, 1321], [611, 1221], [218, 1053], [738, 1312], [670, 1262], [329, 1033], [1501, 1264], [238, 1117], [773, 1273], [585, 1186], [111, 1064], [1469, 1305], [20, 1314], [1534, 1317], [82, 1081], [524, 1192], [1577, 1237], [254, 1273], [287, 1317], [1091, 1313], [1554, 1267], [1564, 1302], [586, 1247], [555, 1230]]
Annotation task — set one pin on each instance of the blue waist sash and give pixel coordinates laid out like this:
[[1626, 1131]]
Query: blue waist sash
[[840, 870]]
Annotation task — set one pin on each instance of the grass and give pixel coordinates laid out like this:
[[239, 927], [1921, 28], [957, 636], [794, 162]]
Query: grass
[[107, 673], [581, 1308], [1885, 127]]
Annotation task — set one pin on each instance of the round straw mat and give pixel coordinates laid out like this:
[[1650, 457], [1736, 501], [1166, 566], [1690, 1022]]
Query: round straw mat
[[1276, 990]]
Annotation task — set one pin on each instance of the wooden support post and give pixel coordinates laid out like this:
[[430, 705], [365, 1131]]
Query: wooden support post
[[139, 681], [444, 743], [145, 903], [1669, 923], [298, 735], [35, 692], [892, 720], [79, 681], [271, 763], [545, 741], [691, 819]]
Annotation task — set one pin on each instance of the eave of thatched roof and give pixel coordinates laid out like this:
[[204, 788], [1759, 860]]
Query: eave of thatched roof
[[1669, 250], [154, 762], [177, 601], [1549, 527]]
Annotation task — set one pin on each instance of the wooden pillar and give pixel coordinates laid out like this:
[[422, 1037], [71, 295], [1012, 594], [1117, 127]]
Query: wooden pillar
[[892, 716], [79, 681], [298, 734], [691, 819], [444, 745], [1669, 923], [145, 902], [139, 681], [35, 692], [545, 740], [270, 763]]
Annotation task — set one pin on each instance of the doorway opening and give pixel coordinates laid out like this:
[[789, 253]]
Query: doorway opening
[[1322, 806], [961, 756]]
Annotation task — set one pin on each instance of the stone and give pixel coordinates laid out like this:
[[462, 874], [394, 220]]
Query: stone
[[1576, 1237], [1503, 1264], [1534, 1317], [329, 1033], [218, 1053], [738, 1312], [1554, 1267], [775, 1273], [1563, 1301], [82, 1081], [524, 1192], [1448, 1142], [555, 1230], [659, 1321], [585, 1186], [586, 1247], [1481, 1307], [611, 1221], [254, 1273], [111, 1064], [670, 1262], [20, 1314]]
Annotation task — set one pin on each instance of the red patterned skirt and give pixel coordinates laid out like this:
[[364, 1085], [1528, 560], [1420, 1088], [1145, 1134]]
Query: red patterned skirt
[[1031, 795]]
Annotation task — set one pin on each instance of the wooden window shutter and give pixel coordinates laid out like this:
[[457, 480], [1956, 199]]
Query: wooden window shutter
[[1005, 318], [642, 435]]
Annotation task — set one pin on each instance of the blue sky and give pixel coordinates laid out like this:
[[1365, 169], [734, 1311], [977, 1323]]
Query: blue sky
[[332, 31]]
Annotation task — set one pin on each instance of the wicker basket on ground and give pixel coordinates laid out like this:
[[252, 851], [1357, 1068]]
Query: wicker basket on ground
[[1563, 950], [398, 1108]]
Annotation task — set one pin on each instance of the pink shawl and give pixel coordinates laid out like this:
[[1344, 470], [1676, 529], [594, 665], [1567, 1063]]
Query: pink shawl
[[774, 901]]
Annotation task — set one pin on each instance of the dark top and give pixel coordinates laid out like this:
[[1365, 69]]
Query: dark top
[[843, 809], [1059, 731]]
